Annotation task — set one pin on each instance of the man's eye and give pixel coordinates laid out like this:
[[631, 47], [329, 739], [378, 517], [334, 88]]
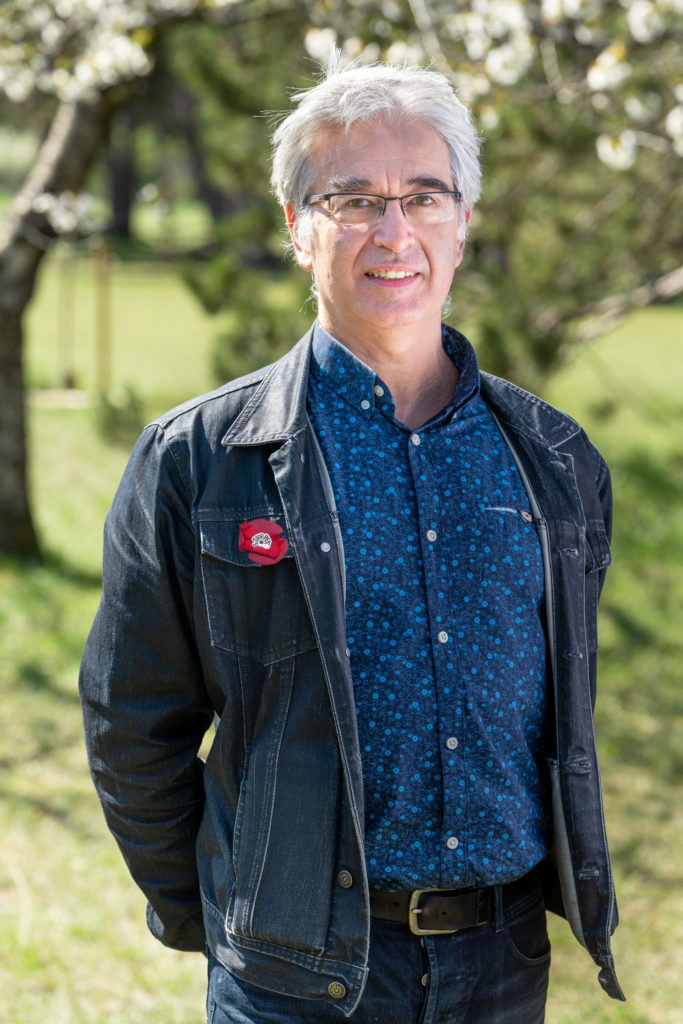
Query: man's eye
[[357, 202], [423, 199]]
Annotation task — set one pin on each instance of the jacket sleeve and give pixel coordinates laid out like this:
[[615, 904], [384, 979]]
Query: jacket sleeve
[[603, 485], [144, 703], [596, 495]]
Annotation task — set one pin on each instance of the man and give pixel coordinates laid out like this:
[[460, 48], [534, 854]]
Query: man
[[377, 570]]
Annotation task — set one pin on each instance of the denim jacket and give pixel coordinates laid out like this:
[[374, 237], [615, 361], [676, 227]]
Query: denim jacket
[[258, 853]]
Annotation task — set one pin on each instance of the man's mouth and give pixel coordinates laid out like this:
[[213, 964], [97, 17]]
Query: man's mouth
[[391, 275]]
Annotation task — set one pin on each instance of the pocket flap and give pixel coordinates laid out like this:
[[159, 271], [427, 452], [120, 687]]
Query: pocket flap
[[220, 539], [598, 551]]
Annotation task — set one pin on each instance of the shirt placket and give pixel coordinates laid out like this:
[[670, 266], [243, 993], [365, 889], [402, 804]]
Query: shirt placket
[[447, 674]]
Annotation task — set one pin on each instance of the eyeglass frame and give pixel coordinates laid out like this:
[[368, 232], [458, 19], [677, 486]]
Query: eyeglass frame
[[326, 196]]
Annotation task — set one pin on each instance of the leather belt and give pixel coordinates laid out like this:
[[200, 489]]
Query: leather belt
[[444, 911]]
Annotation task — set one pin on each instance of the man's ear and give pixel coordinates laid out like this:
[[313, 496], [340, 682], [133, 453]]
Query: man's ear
[[302, 249], [461, 243]]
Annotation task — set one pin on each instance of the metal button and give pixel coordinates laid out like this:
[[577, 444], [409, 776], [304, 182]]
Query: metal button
[[379, 390], [415, 439], [452, 843], [345, 879], [431, 536], [423, 980], [336, 989], [325, 546], [442, 637], [365, 404], [451, 742]]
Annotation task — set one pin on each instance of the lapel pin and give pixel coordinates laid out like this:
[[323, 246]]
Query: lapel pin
[[263, 540]]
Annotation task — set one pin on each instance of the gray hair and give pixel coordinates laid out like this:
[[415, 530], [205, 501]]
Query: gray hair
[[374, 92]]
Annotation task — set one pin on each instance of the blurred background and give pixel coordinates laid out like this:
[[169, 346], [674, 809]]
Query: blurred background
[[141, 263]]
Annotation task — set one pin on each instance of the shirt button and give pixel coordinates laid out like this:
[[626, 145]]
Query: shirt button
[[379, 390], [345, 879], [415, 439], [325, 546], [431, 536], [451, 742], [365, 404], [452, 843], [442, 637], [347, 652], [336, 989]]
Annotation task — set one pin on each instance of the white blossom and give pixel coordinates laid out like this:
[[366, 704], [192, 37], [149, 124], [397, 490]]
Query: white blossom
[[93, 39], [507, 63], [489, 118], [471, 87], [674, 123], [618, 151], [67, 212], [404, 53], [609, 69], [319, 43], [643, 108], [644, 21]]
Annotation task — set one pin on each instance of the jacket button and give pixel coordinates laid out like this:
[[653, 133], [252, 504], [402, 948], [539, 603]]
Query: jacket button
[[345, 879], [336, 989]]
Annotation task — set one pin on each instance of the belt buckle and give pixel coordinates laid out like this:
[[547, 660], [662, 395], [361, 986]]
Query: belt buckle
[[414, 911]]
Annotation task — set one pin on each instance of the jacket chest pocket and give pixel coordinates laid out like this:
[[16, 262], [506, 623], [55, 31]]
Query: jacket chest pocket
[[254, 610]]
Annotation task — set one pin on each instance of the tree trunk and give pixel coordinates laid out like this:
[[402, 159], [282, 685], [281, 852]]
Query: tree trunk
[[122, 175], [74, 138], [218, 202], [17, 534]]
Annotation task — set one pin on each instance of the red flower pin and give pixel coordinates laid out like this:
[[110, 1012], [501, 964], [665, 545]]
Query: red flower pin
[[263, 540]]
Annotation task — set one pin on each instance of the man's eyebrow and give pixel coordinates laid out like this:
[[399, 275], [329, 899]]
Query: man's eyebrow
[[348, 183], [431, 184]]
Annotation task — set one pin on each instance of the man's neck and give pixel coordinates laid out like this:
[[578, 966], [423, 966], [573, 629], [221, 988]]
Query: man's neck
[[417, 371]]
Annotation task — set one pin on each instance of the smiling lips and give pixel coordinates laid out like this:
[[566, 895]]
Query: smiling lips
[[391, 275]]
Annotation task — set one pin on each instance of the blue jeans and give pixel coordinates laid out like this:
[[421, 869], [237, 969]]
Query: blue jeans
[[494, 974]]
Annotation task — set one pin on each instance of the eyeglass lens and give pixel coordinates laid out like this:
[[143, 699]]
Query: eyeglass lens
[[422, 207]]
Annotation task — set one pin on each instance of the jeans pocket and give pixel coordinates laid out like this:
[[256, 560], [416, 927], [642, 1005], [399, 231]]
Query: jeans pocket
[[526, 932]]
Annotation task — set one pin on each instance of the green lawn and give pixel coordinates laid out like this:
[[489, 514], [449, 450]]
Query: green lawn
[[71, 924]]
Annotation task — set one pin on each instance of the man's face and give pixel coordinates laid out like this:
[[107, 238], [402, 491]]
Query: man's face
[[354, 300]]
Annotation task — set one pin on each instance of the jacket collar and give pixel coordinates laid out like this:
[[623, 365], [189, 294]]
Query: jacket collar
[[276, 410], [526, 414]]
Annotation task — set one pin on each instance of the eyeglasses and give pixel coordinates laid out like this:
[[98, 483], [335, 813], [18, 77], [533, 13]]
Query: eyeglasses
[[351, 208]]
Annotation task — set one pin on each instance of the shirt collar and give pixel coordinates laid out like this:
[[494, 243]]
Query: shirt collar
[[338, 368]]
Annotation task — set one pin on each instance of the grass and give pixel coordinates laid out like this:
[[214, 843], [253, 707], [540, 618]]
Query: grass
[[71, 923]]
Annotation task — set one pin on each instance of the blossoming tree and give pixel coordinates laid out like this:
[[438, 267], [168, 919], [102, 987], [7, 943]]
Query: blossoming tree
[[580, 101], [89, 55]]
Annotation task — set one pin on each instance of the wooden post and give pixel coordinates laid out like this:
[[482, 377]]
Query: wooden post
[[102, 318], [67, 321]]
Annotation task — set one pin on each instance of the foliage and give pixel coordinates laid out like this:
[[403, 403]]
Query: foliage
[[581, 105], [580, 102]]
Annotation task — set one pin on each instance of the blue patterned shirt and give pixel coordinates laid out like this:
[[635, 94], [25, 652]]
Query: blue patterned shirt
[[444, 623]]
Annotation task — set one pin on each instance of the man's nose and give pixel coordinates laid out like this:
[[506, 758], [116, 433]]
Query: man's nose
[[394, 230]]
